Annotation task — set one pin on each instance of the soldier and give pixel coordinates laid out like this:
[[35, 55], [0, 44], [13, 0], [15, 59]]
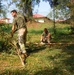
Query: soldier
[[20, 26], [45, 37]]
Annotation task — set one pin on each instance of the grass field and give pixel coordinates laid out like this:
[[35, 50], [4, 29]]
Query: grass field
[[55, 59]]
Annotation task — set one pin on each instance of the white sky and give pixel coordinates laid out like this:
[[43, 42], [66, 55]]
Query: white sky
[[43, 8]]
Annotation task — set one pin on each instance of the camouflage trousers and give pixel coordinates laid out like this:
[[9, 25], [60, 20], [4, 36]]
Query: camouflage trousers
[[46, 39], [22, 33]]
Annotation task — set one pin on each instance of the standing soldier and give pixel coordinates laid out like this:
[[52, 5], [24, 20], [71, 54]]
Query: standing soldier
[[19, 24]]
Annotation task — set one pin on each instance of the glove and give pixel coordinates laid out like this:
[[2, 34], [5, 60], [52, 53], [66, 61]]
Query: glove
[[12, 32]]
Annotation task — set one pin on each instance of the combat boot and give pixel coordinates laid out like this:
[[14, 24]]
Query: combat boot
[[24, 56]]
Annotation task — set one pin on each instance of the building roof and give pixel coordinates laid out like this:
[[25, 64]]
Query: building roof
[[4, 19], [38, 16]]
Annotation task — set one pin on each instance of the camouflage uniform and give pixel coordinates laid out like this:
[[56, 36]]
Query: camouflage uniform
[[45, 37], [19, 22]]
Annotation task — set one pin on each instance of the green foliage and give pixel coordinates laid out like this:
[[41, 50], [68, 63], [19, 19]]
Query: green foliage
[[26, 6], [5, 37], [43, 59]]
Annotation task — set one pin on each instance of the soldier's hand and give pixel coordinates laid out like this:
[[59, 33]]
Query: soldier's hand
[[11, 34]]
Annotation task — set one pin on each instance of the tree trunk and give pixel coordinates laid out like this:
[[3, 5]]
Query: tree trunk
[[54, 29]]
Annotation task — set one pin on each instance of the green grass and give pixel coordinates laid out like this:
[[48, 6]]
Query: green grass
[[42, 59]]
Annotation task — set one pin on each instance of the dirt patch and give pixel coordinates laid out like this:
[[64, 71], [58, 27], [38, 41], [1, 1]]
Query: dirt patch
[[33, 25]]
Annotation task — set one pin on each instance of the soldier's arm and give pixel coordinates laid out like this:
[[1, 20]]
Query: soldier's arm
[[13, 27], [13, 30]]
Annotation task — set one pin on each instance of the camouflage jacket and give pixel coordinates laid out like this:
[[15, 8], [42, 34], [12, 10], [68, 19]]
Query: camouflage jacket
[[19, 21]]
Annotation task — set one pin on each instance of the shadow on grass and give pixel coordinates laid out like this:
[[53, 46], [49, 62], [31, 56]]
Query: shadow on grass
[[69, 61], [16, 72], [5, 47], [62, 37], [48, 71], [2, 47], [32, 48], [64, 59]]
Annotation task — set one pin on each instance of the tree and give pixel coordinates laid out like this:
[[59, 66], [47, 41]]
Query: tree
[[71, 20], [64, 4], [2, 9], [61, 14], [53, 4], [26, 6]]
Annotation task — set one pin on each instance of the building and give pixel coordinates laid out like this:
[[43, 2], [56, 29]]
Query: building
[[4, 20], [40, 18]]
